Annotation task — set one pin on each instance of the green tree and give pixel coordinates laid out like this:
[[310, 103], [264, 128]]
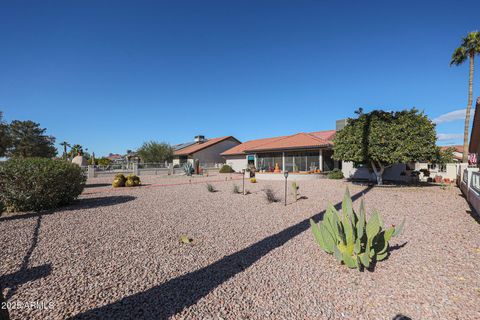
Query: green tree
[[29, 140], [4, 136], [468, 49], [75, 150], [153, 151], [65, 144], [444, 156], [381, 139]]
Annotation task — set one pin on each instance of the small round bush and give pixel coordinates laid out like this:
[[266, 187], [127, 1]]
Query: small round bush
[[33, 184], [119, 180], [226, 169], [335, 174], [132, 181]]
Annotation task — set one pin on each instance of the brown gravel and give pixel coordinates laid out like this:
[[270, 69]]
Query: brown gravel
[[117, 254]]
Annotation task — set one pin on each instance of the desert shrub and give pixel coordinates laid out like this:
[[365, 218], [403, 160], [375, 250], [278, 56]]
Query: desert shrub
[[33, 184], [352, 239], [253, 180], [270, 195], [226, 169], [236, 189], [119, 181], [188, 169], [335, 174], [132, 181], [211, 188], [426, 172]]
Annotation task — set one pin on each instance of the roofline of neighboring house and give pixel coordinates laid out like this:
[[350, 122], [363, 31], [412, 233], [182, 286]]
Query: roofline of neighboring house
[[322, 143], [207, 146], [289, 148]]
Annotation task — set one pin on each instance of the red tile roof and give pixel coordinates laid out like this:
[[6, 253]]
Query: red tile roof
[[295, 141], [458, 149], [201, 145]]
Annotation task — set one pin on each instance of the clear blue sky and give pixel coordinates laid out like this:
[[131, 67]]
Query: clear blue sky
[[110, 75]]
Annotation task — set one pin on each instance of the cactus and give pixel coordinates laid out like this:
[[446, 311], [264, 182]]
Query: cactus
[[188, 168], [352, 239], [132, 181], [119, 181], [295, 188]]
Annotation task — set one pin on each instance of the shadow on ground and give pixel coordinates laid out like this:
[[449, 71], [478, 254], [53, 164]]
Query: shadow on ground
[[171, 297], [95, 185], [85, 203]]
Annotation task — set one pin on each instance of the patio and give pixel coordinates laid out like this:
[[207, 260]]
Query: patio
[[116, 254]]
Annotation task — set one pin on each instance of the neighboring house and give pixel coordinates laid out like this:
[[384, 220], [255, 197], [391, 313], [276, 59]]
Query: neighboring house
[[206, 151], [474, 146], [457, 154], [115, 158], [297, 153]]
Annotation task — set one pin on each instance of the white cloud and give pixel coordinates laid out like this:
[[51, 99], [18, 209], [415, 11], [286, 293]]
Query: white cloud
[[449, 136], [451, 116]]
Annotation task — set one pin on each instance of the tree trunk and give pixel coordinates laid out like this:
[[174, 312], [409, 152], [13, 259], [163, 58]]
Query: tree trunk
[[3, 312], [469, 106], [378, 172]]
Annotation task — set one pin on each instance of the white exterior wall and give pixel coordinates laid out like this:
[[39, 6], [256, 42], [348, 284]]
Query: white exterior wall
[[237, 162], [212, 154], [392, 173]]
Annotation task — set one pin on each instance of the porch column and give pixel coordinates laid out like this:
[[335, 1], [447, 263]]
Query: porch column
[[320, 159], [283, 161]]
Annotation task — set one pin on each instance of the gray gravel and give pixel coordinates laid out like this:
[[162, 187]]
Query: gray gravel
[[116, 254]]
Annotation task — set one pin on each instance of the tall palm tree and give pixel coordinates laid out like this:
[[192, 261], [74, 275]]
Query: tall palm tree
[[65, 144], [468, 49]]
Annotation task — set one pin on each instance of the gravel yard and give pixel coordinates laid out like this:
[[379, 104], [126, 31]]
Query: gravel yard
[[116, 254]]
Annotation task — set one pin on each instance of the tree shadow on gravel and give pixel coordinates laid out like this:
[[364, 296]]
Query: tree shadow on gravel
[[96, 185], [85, 203], [171, 297], [26, 274]]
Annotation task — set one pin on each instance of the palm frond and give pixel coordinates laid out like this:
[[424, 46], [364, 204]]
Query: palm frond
[[459, 56]]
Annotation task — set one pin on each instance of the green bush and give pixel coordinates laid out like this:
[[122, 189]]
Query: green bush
[[226, 169], [335, 174], [33, 184]]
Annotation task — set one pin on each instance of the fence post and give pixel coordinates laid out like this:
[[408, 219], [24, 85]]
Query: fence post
[[91, 171], [135, 168]]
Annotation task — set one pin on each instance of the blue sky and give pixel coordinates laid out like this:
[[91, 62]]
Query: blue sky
[[111, 75]]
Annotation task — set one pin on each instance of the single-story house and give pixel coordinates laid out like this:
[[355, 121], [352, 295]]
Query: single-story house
[[298, 153], [206, 151]]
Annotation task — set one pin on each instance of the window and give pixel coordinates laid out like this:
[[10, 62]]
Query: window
[[302, 161], [267, 161]]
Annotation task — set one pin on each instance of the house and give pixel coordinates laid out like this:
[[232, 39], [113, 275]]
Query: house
[[474, 146], [300, 153], [457, 153], [205, 151], [115, 158]]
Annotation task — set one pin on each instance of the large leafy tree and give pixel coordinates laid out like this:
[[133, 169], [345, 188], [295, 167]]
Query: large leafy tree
[[4, 136], [153, 151], [381, 139], [29, 140], [469, 48]]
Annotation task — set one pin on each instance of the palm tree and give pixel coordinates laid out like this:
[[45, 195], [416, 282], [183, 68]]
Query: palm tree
[[468, 49], [65, 144]]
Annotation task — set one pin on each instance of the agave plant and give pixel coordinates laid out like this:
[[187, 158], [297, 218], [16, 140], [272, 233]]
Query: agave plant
[[352, 239], [188, 168]]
